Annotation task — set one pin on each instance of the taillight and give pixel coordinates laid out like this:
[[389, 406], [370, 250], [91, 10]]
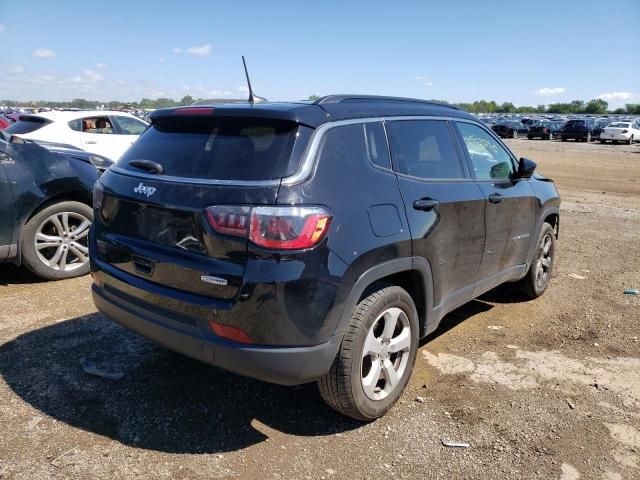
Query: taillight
[[546, 130], [280, 228]]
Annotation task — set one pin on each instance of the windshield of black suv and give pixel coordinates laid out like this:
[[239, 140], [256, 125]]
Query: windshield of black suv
[[575, 123], [229, 148]]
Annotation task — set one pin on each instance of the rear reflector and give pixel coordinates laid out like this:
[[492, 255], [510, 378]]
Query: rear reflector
[[278, 228], [193, 111], [230, 333]]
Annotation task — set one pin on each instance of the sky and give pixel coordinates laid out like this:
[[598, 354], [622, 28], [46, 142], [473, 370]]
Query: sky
[[457, 51]]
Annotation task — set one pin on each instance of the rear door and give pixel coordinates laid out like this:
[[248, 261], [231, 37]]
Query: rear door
[[510, 204], [98, 135], [444, 207], [155, 225]]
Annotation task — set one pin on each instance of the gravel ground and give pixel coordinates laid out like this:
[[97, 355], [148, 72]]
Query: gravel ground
[[547, 389]]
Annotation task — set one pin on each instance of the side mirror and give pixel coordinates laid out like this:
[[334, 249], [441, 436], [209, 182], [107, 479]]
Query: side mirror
[[526, 168]]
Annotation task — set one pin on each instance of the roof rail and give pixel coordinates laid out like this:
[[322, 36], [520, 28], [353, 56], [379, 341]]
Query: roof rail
[[375, 98]]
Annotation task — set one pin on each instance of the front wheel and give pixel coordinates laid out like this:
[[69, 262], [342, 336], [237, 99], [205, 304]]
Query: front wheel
[[55, 241], [376, 356], [536, 281]]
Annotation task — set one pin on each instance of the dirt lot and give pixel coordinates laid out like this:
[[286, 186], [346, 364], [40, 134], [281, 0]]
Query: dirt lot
[[548, 389]]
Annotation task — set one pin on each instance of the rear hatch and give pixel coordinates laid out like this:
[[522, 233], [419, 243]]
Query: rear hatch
[[152, 221], [617, 128], [27, 124], [575, 126]]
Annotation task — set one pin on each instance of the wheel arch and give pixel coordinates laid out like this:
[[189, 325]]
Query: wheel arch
[[413, 274]]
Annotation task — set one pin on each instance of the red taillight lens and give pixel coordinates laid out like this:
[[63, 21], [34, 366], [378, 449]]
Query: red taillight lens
[[193, 111], [546, 130], [230, 333], [280, 228], [230, 220]]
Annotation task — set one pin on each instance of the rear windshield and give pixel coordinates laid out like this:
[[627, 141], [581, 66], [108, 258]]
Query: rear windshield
[[619, 125], [216, 148], [27, 125], [575, 123]]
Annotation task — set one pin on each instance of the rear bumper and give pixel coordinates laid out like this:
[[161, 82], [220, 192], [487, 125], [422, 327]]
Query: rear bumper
[[615, 138], [282, 365], [575, 135]]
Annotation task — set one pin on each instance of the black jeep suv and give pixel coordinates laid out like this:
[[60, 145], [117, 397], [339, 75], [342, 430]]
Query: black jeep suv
[[298, 242]]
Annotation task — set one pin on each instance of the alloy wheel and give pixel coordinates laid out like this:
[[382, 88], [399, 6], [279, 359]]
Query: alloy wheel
[[385, 353], [61, 241], [544, 261]]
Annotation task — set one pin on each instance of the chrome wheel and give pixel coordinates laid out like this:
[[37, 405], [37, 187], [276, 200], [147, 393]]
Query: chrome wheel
[[544, 262], [385, 353], [61, 241]]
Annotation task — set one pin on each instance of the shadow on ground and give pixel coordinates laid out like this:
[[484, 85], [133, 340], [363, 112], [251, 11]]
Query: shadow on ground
[[13, 275], [165, 402]]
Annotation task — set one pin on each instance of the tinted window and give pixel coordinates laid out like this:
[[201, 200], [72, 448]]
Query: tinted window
[[575, 123], [130, 126], [425, 149], [345, 144], [489, 158], [27, 124], [377, 144], [217, 148]]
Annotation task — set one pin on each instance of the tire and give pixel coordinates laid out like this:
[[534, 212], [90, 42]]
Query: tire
[[603, 141], [60, 254], [536, 281], [564, 139], [529, 137], [343, 387]]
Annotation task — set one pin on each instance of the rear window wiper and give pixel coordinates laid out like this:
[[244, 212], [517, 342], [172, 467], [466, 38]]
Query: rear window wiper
[[148, 165]]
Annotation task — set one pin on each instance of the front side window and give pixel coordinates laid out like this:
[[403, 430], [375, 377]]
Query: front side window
[[424, 149], [490, 159], [130, 126]]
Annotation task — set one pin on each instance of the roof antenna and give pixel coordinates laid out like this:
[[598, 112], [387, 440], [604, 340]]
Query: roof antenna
[[246, 72]]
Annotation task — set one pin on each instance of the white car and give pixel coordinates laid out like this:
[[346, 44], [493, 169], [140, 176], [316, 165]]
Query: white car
[[627, 132], [101, 132]]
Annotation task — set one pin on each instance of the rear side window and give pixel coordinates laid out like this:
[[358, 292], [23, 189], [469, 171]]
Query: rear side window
[[27, 124], [425, 149], [130, 126], [343, 145], [575, 123], [231, 148], [377, 144]]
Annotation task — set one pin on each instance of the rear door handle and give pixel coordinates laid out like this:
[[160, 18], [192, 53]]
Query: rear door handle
[[425, 204], [495, 198]]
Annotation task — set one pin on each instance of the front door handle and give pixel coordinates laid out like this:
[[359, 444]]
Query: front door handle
[[495, 198], [425, 204]]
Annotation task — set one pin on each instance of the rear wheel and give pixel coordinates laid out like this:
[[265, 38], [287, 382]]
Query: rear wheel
[[564, 139], [529, 137], [376, 356], [55, 241], [603, 141], [537, 278]]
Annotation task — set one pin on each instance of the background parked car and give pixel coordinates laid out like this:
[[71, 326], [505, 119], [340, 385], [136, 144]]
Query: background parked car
[[511, 129], [599, 124], [545, 129], [101, 132], [627, 132], [5, 122], [45, 205], [579, 129]]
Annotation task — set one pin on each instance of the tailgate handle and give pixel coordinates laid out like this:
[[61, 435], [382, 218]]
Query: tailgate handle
[[142, 265]]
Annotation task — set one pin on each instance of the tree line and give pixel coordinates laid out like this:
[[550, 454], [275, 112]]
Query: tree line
[[596, 106]]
